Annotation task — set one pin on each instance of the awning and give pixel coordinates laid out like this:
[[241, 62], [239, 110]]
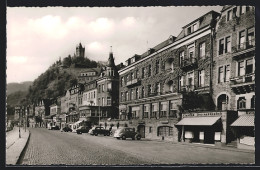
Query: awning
[[198, 121], [244, 120]]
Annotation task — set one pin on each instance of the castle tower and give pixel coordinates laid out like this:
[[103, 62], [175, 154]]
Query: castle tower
[[80, 51]]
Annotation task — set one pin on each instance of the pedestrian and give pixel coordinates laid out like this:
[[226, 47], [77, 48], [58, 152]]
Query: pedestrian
[[105, 125], [117, 125]]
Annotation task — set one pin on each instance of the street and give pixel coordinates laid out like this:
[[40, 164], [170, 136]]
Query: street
[[48, 147]]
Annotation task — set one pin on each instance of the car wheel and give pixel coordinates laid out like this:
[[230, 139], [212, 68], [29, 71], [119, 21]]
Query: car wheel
[[118, 138], [138, 137], [123, 137], [108, 133], [95, 134]]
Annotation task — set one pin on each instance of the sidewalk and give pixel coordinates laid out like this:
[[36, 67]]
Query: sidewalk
[[212, 146], [15, 145]]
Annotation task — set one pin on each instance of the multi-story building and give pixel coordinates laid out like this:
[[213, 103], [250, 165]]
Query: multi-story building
[[99, 98], [172, 78], [234, 68], [88, 75]]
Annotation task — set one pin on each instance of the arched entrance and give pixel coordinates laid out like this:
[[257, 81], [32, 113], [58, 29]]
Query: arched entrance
[[222, 102], [141, 130]]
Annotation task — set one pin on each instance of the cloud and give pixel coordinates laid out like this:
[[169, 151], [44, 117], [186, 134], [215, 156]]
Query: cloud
[[49, 25], [17, 59]]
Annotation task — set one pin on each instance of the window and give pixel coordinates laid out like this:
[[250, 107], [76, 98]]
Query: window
[[163, 66], [103, 87], [127, 96], [163, 109], [132, 76], [142, 92], [136, 93], [241, 69], [249, 66], [103, 101], [181, 57], [150, 129], [122, 81], [242, 39], [228, 45], [154, 111], [108, 101], [227, 73], [137, 73], [221, 47], [158, 88], [251, 37], [190, 77], [229, 15], [143, 72], [191, 52], [242, 10], [253, 102], [128, 78], [220, 74], [157, 66], [201, 78], [109, 86], [173, 112], [241, 103], [165, 131], [202, 50], [149, 70], [132, 94], [234, 10], [122, 96], [149, 88], [145, 114], [180, 82], [99, 88]]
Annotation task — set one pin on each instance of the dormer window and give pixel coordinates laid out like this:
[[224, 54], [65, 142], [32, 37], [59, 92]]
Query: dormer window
[[132, 60], [150, 51], [192, 28]]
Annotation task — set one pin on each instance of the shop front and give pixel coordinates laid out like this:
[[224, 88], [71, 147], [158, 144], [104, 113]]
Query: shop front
[[207, 127], [244, 131]]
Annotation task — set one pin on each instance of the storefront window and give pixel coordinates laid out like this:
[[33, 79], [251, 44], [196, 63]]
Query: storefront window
[[165, 131]]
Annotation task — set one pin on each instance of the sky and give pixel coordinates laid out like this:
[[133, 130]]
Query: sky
[[37, 37]]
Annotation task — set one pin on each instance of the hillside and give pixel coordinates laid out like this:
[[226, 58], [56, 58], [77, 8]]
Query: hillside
[[15, 87]]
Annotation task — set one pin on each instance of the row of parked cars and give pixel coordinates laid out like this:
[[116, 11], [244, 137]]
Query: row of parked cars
[[121, 133]]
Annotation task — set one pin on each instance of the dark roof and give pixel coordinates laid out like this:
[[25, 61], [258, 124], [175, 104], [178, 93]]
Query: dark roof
[[204, 20], [163, 44], [111, 62], [225, 7]]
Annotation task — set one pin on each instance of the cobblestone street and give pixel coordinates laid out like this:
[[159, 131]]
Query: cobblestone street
[[48, 147]]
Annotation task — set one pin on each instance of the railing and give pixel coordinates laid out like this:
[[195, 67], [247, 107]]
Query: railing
[[243, 46], [188, 61], [243, 79]]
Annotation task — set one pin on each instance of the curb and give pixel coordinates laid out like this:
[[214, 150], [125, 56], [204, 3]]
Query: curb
[[23, 151], [211, 147]]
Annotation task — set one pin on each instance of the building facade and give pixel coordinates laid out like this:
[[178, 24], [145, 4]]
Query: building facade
[[154, 88], [234, 68]]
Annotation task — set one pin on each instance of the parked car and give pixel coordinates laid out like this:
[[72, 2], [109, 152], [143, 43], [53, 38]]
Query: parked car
[[127, 132], [82, 129], [67, 129], [99, 130], [55, 128]]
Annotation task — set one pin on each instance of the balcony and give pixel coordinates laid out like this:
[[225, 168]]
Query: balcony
[[133, 82], [243, 84], [242, 50], [187, 88], [188, 63], [203, 89]]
